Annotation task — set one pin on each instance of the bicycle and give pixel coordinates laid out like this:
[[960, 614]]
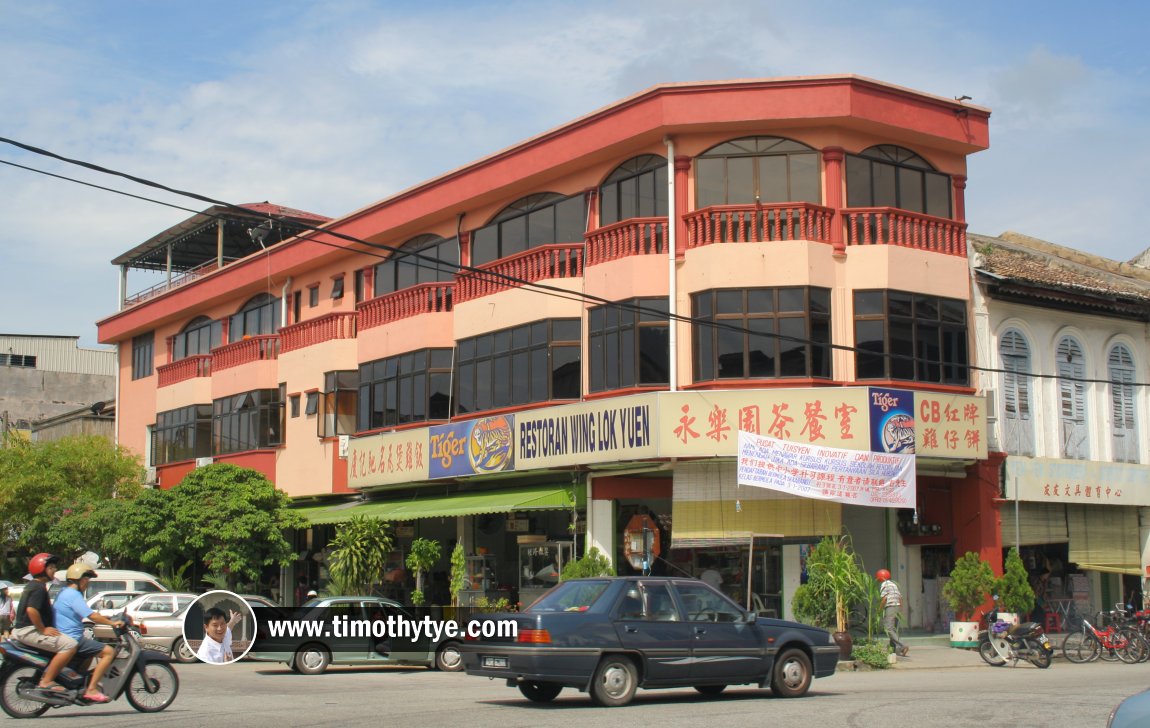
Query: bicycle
[[1090, 643]]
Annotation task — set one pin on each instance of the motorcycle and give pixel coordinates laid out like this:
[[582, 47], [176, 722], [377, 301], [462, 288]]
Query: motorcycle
[[141, 675], [1003, 641]]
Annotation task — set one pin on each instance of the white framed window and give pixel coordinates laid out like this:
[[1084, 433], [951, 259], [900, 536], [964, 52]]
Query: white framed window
[[1124, 428], [1017, 412], [1072, 399]]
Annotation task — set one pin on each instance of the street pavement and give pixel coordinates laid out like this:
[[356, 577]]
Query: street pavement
[[934, 686]]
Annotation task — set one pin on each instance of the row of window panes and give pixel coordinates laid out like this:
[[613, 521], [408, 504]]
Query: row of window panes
[[27, 361], [412, 387], [536, 362], [248, 421], [182, 434], [910, 336], [628, 345]]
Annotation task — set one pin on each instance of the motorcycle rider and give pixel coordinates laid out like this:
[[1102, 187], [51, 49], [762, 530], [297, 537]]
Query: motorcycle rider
[[71, 611], [35, 623]]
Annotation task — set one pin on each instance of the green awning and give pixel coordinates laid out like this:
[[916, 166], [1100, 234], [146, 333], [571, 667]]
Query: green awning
[[539, 498]]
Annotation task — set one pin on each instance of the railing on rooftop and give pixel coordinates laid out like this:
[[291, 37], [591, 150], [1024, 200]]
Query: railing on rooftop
[[338, 325], [561, 260], [890, 226], [758, 223], [198, 365], [178, 279], [405, 303], [245, 351], [636, 236]]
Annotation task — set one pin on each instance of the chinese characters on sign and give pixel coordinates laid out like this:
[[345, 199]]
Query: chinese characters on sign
[[861, 478], [395, 457], [950, 425], [1052, 480]]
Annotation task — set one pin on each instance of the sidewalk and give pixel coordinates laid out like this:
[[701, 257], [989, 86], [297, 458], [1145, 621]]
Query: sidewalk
[[933, 652]]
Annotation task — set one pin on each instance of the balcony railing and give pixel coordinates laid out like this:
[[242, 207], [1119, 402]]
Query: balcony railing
[[412, 301], [562, 260], [245, 351], [758, 223], [637, 236], [178, 279], [340, 325], [888, 226], [199, 365]]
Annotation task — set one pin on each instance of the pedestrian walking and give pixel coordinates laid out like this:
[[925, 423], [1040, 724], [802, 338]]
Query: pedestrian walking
[[891, 599], [7, 610]]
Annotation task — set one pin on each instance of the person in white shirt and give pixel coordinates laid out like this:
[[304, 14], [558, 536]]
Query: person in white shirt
[[217, 644], [891, 599]]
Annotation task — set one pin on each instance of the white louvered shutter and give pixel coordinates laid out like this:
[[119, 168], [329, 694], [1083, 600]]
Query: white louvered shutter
[[1125, 425], [1072, 399], [1016, 417]]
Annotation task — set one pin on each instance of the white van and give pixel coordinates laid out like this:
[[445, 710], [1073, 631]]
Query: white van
[[115, 580]]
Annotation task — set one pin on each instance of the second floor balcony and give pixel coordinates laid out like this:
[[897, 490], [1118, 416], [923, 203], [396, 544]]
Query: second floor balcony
[[339, 325], [891, 226], [199, 365], [758, 223], [245, 351], [562, 260], [636, 236], [413, 301]]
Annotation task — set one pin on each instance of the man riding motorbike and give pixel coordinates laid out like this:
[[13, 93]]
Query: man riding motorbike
[[35, 623], [71, 611]]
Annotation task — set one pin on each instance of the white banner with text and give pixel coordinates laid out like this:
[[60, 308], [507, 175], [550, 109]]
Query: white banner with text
[[857, 477]]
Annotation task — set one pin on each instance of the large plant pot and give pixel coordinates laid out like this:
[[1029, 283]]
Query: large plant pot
[[845, 643], [964, 634]]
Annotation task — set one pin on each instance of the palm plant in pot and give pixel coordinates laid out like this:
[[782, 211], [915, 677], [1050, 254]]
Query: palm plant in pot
[[1015, 595], [835, 582], [966, 590]]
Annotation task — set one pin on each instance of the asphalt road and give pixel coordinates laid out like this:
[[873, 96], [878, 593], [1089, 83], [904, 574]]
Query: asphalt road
[[261, 694]]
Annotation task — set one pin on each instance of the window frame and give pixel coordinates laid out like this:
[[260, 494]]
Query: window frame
[[502, 353], [951, 337], [646, 170], [192, 425], [252, 420], [265, 311], [143, 355], [382, 383], [1015, 359], [339, 395], [1122, 372], [901, 164], [397, 273], [507, 237], [756, 149], [204, 342], [614, 344]]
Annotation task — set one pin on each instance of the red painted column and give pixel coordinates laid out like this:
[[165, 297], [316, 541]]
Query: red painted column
[[682, 205], [959, 182], [974, 505], [465, 248], [833, 196]]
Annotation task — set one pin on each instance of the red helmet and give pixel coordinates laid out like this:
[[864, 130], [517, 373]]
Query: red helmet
[[39, 563], [882, 575]]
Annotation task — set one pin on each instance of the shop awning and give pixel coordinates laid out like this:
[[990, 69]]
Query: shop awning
[[539, 498]]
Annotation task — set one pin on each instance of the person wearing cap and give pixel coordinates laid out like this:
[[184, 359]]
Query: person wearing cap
[[891, 599], [71, 611], [312, 594], [7, 610], [35, 623]]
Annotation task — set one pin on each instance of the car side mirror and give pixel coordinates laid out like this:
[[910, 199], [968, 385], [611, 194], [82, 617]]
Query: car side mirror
[[750, 617]]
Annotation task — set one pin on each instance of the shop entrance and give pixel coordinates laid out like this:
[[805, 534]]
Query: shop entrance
[[732, 565]]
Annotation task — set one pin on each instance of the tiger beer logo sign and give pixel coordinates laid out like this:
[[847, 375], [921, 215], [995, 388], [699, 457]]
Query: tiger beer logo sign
[[472, 448], [892, 420]]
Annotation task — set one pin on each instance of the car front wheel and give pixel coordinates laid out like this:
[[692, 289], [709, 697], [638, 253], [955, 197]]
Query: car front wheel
[[615, 681], [448, 658], [792, 674], [183, 652], [540, 692], [312, 660]]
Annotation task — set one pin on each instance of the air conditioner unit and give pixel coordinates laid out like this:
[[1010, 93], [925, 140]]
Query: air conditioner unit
[[150, 476], [201, 462]]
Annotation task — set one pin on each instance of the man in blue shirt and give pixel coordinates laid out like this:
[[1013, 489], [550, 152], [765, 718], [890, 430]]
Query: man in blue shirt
[[71, 611]]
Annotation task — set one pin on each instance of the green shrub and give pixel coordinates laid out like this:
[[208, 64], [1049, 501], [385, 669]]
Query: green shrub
[[591, 564], [968, 586], [502, 604], [1014, 591], [874, 654]]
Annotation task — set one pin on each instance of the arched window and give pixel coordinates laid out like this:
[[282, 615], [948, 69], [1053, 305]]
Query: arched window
[[891, 176], [197, 337], [537, 220], [1072, 399], [259, 316], [757, 169], [1017, 415], [1125, 429], [438, 262], [637, 188]]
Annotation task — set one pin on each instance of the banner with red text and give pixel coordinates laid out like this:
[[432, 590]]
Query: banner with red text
[[857, 477]]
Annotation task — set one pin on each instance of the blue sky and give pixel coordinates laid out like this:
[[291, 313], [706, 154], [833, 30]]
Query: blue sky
[[330, 106]]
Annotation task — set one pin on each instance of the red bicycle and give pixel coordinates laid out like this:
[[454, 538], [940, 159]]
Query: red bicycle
[[1090, 643]]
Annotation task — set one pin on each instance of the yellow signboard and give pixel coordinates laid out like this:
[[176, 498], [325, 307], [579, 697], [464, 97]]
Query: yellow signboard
[[608, 430], [390, 457], [950, 425]]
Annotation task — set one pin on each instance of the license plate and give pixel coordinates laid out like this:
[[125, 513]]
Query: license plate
[[496, 662]]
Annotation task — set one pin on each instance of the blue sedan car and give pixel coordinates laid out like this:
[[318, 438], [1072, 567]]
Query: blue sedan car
[[610, 636]]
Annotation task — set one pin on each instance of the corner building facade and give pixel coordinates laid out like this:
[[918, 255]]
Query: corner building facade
[[555, 347]]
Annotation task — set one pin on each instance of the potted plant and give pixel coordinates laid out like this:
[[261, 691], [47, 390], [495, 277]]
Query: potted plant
[[423, 556], [835, 582], [1015, 595], [966, 590]]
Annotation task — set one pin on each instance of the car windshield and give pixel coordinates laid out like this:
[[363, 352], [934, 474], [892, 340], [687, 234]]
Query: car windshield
[[570, 596]]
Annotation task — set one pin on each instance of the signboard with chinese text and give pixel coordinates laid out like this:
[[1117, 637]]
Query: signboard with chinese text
[[475, 447], [607, 430], [698, 424], [387, 458], [1077, 481], [950, 425], [885, 480]]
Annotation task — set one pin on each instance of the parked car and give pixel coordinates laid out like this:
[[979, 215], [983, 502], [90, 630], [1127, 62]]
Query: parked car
[[1133, 712], [609, 636], [111, 602], [112, 580], [143, 606], [313, 655]]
